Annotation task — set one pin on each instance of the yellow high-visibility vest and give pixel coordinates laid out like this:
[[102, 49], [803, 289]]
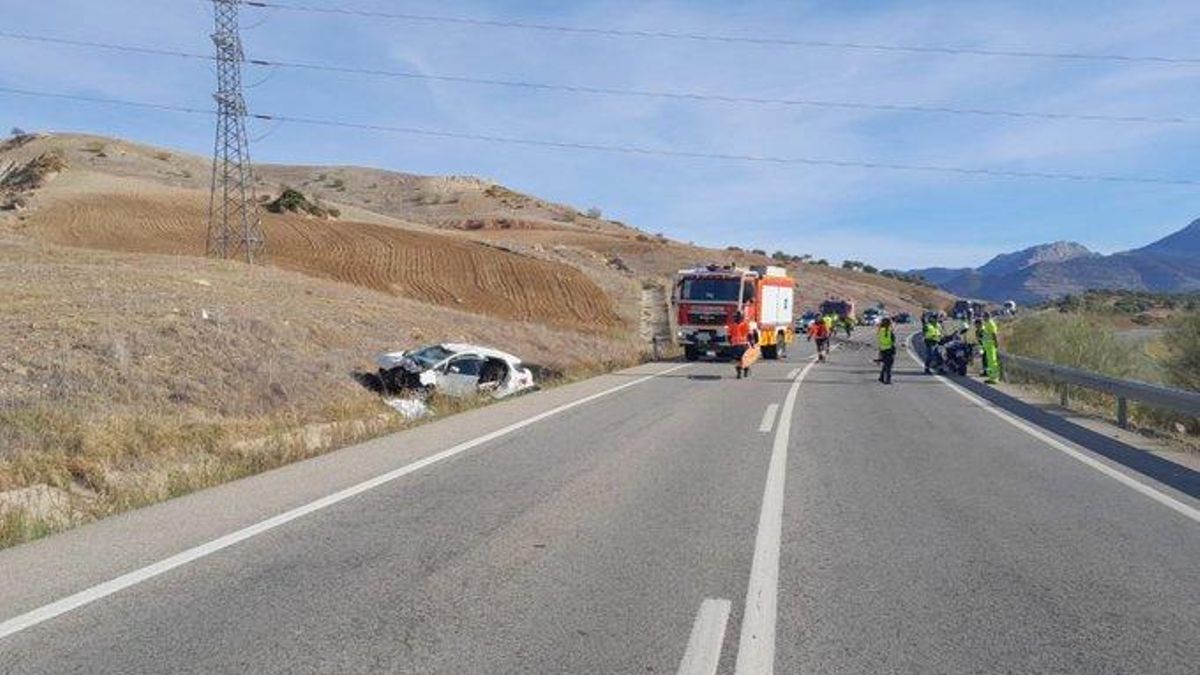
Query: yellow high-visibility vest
[[991, 332], [933, 331], [887, 339]]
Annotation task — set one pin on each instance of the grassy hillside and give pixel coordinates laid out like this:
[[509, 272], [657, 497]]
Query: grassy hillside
[[133, 369]]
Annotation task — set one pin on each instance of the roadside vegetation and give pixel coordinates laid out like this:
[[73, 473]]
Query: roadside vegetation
[[130, 379], [1087, 333]]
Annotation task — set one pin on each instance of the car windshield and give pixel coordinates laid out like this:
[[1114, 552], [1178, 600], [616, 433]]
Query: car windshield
[[723, 290], [430, 356]]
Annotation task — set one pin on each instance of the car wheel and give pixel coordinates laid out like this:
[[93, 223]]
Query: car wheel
[[690, 352]]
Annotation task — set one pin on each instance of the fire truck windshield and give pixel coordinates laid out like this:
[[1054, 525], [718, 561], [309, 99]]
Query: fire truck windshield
[[708, 289]]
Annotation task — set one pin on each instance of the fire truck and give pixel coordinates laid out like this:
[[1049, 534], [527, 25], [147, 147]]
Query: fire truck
[[706, 299]]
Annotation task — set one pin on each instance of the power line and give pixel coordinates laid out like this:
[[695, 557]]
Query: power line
[[635, 93], [731, 39], [636, 150]]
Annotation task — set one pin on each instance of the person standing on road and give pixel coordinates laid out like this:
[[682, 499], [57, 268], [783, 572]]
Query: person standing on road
[[887, 350], [932, 332], [819, 332], [991, 348], [979, 347], [740, 334]]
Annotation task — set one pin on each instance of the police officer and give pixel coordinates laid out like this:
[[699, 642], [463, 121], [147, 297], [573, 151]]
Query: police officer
[[932, 332], [991, 348], [887, 350]]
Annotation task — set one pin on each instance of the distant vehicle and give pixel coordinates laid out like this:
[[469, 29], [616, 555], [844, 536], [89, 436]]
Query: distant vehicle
[[871, 317], [454, 369], [707, 298], [965, 310], [806, 320], [841, 308], [1010, 308], [904, 317]]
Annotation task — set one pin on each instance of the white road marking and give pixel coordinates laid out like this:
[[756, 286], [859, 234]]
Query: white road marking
[[703, 653], [84, 597], [792, 373], [1160, 497], [768, 419], [756, 648]]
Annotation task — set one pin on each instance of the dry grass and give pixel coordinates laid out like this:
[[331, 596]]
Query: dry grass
[[127, 379]]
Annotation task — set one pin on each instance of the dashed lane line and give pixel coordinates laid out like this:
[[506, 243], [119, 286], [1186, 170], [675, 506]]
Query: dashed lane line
[[756, 647], [703, 653]]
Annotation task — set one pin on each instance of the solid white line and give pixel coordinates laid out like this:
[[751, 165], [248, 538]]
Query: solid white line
[[768, 419], [703, 653], [77, 600], [756, 648], [1160, 497], [792, 373]]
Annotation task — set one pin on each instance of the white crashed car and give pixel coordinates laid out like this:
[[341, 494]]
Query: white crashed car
[[454, 370]]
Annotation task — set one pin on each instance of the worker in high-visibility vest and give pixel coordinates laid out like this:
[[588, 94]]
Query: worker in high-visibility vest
[[741, 337], [820, 333], [991, 348], [828, 320], [887, 350], [932, 332]]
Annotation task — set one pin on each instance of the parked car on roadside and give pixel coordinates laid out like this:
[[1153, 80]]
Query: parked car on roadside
[[454, 369]]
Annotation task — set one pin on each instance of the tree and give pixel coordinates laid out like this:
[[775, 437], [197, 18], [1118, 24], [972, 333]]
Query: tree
[[870, 269], [595, 213], [758, 251], [17, 131], [780, 256], [822, 262]]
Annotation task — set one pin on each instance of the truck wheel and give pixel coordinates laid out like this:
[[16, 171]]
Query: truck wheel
[[690, 352], [770, 352]]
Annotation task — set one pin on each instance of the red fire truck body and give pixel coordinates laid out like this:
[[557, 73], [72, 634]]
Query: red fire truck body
[[706, 299]]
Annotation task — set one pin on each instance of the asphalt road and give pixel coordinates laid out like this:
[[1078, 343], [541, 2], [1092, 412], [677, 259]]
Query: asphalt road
[[671, 523]]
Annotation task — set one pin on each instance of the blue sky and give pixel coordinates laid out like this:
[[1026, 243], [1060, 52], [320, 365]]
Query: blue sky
[[890, 218]]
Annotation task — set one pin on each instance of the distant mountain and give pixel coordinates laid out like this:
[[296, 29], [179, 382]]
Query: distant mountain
[[1010, 263], [1171, 264], [1184, 243], [940, 275]]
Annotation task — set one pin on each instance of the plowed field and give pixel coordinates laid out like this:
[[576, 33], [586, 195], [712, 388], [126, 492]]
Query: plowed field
[[440, 270]]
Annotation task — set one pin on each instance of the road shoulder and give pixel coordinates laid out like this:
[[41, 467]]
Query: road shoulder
[[45, 570]]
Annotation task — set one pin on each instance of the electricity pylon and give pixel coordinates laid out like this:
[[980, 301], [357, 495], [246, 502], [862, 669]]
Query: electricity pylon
[[234, 224]]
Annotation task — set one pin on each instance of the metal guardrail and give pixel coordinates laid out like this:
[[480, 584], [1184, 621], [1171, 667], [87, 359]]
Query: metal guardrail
[[1178, 400]]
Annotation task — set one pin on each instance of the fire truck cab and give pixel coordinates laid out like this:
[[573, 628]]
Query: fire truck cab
[[707, 298]]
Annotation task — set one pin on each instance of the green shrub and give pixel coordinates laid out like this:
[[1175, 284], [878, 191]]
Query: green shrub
[[1183, 347], [1074, 340]]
